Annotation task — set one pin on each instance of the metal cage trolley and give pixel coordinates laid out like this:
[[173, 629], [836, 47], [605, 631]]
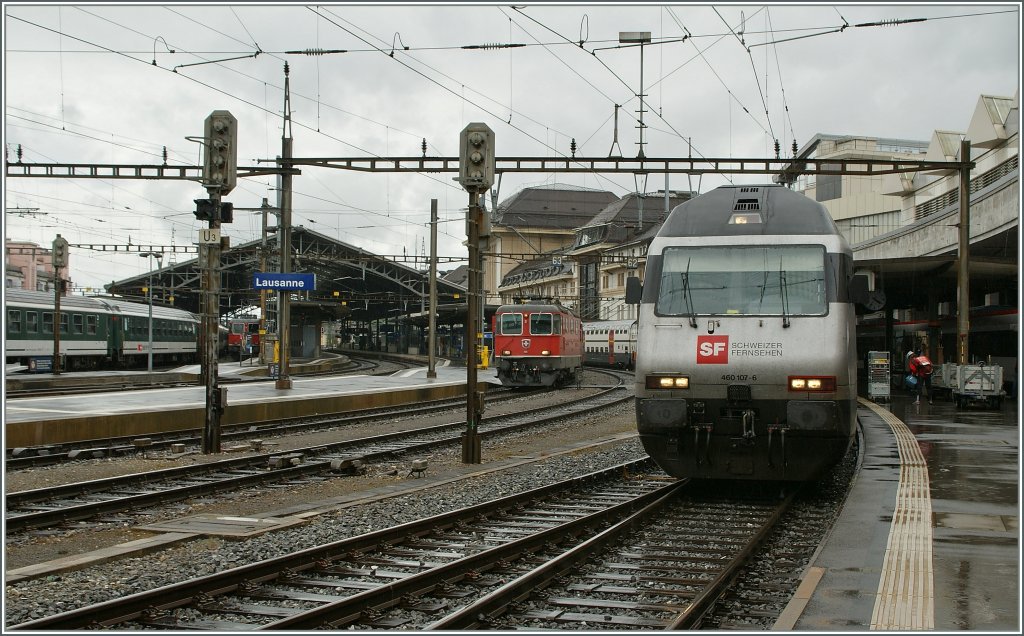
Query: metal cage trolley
[[879, 375]]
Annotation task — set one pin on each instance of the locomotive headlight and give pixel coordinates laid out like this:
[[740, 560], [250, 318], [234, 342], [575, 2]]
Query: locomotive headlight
[[820, 384], [506, 352], [667, 382], [545, 353]]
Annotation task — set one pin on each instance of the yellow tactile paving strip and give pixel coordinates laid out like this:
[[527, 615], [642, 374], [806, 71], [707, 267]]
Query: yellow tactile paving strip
[[906, 594]]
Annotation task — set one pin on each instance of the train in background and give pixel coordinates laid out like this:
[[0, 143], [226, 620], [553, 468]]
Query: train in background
[[99, 333], [746, 358], [537, 344], [610, 343], [243, 336]]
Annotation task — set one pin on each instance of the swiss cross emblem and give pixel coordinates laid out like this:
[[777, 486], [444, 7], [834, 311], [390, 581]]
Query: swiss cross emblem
[[526, 343]]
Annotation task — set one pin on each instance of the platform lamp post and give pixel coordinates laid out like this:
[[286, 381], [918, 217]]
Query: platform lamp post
[[149, 292]]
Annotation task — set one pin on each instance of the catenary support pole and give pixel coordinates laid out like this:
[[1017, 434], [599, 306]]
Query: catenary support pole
[[471, 438], [432, 319]]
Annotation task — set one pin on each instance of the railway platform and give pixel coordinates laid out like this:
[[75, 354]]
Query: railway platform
[[68, 418], [929, 537]]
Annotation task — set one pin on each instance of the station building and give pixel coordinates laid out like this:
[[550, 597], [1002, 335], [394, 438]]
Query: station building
[[903, 230], [579, 245]]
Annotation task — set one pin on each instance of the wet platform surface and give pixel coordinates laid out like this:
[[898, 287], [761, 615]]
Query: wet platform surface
[[966, 526], [191, 397]]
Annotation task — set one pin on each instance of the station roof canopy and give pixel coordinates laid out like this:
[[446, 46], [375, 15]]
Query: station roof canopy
[[371, 286]]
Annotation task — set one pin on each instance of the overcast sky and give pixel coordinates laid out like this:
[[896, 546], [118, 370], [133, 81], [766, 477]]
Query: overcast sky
[[89, 83]]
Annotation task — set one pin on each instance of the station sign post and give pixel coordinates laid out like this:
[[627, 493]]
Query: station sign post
[[284, 282]]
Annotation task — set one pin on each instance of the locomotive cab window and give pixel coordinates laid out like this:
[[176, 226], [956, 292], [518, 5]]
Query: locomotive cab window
[[541, 324], [511, 324], [751, 280]]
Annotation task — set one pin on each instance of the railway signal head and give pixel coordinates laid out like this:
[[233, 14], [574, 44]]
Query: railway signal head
[[476, 157], [60, 251], [220, 152]]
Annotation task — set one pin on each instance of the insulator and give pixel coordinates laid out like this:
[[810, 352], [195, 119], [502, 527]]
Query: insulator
[[777, 148], [313, 52], [794, 148], [424, 146], [572, 146]]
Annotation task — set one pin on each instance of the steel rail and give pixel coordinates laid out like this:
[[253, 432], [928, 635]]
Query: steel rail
[[139, 605], [473, 616], [238, 473], [480, 614]]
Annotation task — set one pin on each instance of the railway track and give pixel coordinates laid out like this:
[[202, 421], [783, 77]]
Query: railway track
[[47, 455], [48, 507], [615, 549]]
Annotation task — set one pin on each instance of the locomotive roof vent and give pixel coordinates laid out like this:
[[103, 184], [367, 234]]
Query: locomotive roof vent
[[749, 189], [743, 205]]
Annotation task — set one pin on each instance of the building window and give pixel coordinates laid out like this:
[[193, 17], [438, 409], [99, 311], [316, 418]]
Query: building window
[[621, 279]]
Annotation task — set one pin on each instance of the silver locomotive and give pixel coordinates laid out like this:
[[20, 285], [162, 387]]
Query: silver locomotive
[[746, 361]]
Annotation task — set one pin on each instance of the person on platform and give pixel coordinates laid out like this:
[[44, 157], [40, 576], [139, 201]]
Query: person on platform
[[921, 368]]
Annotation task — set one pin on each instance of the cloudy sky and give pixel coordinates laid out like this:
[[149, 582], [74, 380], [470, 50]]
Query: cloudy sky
[[117, 83]]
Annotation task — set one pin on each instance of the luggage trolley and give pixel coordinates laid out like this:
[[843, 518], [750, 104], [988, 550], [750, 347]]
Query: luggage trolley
[[879, 371]]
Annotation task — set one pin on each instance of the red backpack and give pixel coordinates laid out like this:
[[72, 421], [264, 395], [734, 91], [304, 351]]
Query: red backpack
[[921, 366]]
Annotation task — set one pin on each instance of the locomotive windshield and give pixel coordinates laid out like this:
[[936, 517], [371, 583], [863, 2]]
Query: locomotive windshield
[[510, 324], [545, 324], [756, 280]]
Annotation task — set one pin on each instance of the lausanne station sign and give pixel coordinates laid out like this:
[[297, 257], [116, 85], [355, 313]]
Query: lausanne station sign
[[284, 282]]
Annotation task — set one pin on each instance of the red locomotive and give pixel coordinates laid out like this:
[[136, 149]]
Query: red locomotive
[[537, 344], [243, 333]]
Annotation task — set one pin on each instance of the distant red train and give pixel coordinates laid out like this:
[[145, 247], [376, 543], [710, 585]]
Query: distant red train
[[242, 332], [537, 344]]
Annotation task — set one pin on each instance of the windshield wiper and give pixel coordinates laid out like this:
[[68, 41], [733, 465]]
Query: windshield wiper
[[686, 296], [764, 287], [785, 297]]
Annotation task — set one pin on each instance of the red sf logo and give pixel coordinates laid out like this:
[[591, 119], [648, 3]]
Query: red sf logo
[[712, 349]]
